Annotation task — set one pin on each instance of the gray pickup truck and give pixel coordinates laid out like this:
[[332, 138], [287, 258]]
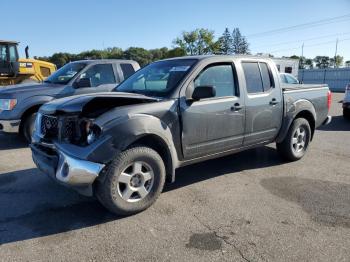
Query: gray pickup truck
[[122, 146], [20, 103]]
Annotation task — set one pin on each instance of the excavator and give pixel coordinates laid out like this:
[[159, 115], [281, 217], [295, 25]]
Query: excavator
[[15, 70]]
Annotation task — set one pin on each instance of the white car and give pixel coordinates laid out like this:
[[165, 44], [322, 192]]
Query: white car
[[346, 102], [289, 79]]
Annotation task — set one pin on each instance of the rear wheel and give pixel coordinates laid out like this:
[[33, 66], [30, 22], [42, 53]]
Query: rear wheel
[[132, 182], [296, 143], [28, 127]]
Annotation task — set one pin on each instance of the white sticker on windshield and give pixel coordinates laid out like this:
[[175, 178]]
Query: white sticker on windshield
[[179, 68]]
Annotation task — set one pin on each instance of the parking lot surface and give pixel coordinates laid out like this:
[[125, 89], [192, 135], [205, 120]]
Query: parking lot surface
[[250, 206]]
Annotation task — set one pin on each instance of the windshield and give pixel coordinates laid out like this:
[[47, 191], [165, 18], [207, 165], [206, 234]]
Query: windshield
[[157, 79], [65, 73]]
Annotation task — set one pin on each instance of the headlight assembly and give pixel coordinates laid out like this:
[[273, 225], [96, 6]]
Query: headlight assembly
[[7, 104], [92, 132]]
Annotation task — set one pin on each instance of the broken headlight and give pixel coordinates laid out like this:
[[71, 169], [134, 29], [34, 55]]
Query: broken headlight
[[92, 132]]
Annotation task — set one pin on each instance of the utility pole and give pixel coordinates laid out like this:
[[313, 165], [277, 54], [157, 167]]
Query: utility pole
[[302, 55], [335, 55], [301, 62]]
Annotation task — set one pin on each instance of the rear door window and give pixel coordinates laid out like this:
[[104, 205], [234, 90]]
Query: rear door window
[[258, 77], [127, 69], [253, 79], [266, 77]]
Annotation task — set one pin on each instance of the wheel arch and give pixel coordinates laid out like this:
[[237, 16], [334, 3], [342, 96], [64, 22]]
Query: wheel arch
[[27, 113], [159, 145], [310, 118], [299, 109]]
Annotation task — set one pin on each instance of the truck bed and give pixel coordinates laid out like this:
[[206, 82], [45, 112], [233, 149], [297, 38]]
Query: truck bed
[[302, 87]]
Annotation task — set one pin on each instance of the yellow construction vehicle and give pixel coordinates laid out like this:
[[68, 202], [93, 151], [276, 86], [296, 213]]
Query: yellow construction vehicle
[[14, 70]]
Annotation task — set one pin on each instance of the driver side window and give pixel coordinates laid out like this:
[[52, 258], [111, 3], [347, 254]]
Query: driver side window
[[220, 76], [100, 74]]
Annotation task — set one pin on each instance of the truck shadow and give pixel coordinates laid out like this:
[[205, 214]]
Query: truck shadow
[[34, 206], [338, 124], [11, 141]]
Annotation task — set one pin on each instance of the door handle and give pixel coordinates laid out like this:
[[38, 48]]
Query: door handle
[[273, 102], [236, 107]]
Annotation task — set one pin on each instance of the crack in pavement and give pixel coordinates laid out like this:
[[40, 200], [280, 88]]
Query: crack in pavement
[[222, 238]]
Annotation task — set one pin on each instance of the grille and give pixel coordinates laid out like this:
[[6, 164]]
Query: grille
[[61, 128], [68, 130], [49, 126]]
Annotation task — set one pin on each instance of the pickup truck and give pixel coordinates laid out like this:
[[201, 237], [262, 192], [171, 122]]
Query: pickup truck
[[122, 146], [20, 103]]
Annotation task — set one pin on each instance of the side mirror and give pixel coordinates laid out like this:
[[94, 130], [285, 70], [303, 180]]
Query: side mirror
[[83, 82], [201, 92]]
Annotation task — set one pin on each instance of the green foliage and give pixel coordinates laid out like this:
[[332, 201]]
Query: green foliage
[[225, 43], [197, 42], [176, 52], [141, 55], [336, 61], [240, 43], [322, 61]]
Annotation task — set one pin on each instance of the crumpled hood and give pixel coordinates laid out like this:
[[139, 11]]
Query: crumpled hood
[[93, 102]]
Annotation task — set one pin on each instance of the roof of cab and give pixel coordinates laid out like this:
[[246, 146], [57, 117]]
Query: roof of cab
[[99, 61], [205, 57], [8, 42]]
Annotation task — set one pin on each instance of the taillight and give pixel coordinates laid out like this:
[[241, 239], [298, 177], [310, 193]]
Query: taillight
[[329, 99]]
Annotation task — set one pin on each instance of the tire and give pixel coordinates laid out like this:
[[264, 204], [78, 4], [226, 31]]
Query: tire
[[28, 127], [346, 113], [295, 144], [124, 174]]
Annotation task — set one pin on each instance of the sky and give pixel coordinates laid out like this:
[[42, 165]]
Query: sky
[[76, 25]]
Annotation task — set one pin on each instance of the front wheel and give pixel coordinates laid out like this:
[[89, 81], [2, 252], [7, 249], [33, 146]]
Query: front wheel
[[295, 144], [132, 182], [28, 127]]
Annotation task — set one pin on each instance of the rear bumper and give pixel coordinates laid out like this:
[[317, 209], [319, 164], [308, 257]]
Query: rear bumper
[[9, 126], [327, 120], [72, 172]]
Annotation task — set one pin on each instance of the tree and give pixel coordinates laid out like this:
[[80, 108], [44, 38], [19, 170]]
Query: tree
[[225, 43], [60, 59], [141, 55], [308, 63], [114, 52], [337, 61], [158, 53], [197, 42], [322, 61], [240, 43], [176, 52]]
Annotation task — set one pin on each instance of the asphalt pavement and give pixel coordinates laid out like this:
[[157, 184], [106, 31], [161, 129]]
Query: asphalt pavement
[[250, 206]]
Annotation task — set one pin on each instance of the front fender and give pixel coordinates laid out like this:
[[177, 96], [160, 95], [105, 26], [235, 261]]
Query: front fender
[[31, 102], [127, 130], [292, 109]]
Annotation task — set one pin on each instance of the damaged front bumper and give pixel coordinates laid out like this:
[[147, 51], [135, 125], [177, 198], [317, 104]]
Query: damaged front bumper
[[70, 171]]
